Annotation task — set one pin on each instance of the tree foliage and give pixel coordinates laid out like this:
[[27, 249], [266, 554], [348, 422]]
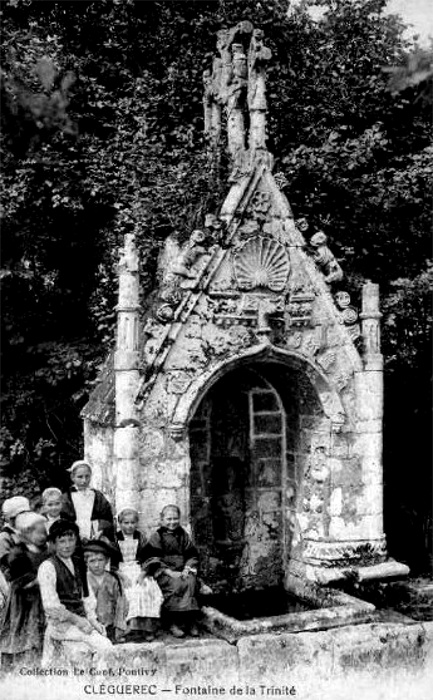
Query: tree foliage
[[102, 132]]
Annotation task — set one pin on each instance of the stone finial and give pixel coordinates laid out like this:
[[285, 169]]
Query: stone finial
[[258, 57], [129, 257], [325, 259], [236, 97], [128, 299], [370, 317], [370, 300]]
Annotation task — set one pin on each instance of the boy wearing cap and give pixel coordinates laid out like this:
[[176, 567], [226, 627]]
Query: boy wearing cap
[[9, 538], [111, 605], [70, 607]]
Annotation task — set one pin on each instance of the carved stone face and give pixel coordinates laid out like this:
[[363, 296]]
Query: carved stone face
[[164, 313], [342, 299], [302, 225], [197, 236]]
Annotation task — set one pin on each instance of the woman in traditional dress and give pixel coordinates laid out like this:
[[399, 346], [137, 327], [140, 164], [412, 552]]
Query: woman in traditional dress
[[172, 556], [87, 506], [22, 622]]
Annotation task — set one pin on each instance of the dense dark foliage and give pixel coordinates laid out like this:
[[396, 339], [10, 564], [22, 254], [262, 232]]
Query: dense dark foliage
[[102, 131]]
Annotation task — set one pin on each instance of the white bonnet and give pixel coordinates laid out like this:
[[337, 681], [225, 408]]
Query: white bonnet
[[14, 506], [79, 463]]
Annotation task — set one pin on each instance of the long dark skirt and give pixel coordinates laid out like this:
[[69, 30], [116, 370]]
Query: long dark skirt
[[22, 621], [179, 593]]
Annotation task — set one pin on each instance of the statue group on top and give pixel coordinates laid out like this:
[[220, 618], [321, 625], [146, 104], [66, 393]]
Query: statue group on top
[[237, 84], [236, 87]]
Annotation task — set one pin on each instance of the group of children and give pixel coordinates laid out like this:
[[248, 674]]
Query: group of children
[[67, 575]]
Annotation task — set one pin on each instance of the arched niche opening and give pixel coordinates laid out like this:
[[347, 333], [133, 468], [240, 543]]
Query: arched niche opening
[[251, 438]]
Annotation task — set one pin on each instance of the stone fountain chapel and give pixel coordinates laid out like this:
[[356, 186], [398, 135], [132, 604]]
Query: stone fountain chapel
[[250, 394]]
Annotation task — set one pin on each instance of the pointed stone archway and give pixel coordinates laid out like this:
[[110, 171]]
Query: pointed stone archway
[[251, 438]]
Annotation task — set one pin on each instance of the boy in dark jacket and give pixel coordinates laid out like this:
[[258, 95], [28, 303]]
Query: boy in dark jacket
[[70, 607]]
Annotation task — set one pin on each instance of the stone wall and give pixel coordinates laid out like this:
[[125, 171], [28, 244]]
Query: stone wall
[[98, 450], [388, 661]]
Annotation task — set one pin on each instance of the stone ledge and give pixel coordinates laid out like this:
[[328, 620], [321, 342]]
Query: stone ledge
[[377, 660], [372, 647], [388, 569], [200, 658]]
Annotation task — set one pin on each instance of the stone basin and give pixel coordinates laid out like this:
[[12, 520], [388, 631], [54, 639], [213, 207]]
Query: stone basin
[[412, 598], [316, 608]]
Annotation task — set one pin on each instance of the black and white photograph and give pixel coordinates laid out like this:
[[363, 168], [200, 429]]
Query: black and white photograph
[[216, 349]]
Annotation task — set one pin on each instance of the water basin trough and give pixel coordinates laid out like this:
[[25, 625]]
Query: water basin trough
[[233, 616]]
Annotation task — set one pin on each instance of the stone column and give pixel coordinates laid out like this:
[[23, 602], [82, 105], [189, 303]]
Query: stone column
[[126, 378], [369, 405]]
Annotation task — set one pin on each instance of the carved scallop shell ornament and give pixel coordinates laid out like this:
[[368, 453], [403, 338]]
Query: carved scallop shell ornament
[[261, 262]]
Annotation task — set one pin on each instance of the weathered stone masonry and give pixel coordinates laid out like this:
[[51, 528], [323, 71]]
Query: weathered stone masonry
[[252, 395]]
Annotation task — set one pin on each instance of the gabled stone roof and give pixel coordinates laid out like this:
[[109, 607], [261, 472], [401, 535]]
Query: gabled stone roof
[[254, 201]]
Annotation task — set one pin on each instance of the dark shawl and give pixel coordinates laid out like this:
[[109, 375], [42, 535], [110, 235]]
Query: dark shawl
[[173, 548], [101, 507]]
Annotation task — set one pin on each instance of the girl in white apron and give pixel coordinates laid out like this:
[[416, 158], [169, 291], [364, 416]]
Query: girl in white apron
[[141, 590]]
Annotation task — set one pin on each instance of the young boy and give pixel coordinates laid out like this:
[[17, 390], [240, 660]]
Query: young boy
[[175, 570], [111, 606], [68, 604]]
